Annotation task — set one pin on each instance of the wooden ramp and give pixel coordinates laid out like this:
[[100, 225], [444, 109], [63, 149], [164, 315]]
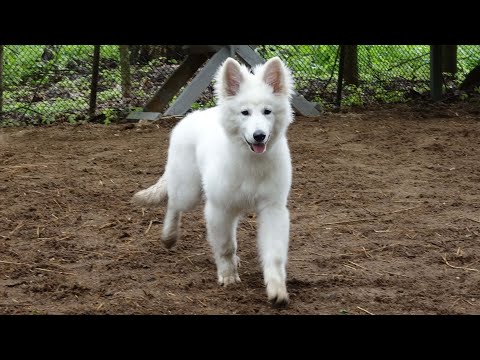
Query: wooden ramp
[[212, 56]]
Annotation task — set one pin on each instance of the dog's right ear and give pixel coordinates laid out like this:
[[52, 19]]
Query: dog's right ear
[[228, 79]]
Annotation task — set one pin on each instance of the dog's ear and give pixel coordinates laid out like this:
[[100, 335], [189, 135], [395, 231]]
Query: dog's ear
[[278, 76], [229, 78]]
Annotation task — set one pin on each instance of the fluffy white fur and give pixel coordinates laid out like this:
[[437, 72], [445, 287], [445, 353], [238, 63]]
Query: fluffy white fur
[[214, 152]]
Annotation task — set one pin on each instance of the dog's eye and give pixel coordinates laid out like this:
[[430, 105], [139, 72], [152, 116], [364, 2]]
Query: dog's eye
[[245, 112], [267, 111]]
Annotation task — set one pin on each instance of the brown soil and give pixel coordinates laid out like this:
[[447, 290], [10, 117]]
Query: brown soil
[[385, 218]]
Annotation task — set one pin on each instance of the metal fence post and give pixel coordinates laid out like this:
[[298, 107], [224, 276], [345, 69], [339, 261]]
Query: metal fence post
[[436, 79], [94, 86]]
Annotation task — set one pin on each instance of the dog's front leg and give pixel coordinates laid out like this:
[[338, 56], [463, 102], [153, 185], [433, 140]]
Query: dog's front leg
[[221, 228], [273, 233]]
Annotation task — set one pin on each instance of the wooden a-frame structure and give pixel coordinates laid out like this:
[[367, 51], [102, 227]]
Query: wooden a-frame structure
[[211, 56]]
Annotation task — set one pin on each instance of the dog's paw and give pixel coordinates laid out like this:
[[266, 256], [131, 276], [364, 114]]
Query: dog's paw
[[225, 280], [169, 241], [277, 294]]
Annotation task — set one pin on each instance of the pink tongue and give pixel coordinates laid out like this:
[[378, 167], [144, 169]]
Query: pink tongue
[[259, 148]]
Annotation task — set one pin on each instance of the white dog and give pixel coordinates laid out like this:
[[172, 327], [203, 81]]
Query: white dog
[[237, 155]]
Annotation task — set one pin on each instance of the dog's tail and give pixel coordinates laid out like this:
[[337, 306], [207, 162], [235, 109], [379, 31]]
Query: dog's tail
[[152, 196]]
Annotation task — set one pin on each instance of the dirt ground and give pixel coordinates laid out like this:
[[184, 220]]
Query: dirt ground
[[385, 219]]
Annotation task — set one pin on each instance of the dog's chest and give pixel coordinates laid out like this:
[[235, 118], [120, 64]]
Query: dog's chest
[[249, 188], [243, 185]]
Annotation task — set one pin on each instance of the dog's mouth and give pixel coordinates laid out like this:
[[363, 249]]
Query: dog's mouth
[[258, 148]]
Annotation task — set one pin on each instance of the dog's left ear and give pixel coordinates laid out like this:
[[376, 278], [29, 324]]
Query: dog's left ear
[[278, 76]]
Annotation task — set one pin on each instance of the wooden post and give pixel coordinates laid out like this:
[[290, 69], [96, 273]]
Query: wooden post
[[449, 58], [94, 84], [350, 73], [125, 71], [174, 82], [436, 79], [1, 82], [199, 83], [338, 100]]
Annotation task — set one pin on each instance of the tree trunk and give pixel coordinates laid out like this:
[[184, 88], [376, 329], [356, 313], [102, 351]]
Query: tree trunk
[[436, 78], [125, 71], [350, 71], [1, 82], [449, 55], [49, 52], [94, 84]]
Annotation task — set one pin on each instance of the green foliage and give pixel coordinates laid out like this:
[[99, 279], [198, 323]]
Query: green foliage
[[393, 61], [196, 106], [307, 62], [71, 119], [110, 115], [110, 94], [203, 105], [353, 96], [135, 108]]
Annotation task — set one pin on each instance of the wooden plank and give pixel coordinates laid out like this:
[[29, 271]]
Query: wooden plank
[[299, 103], [303, 106], [174, 82], [198, 84], [248, 55], [140, 115]]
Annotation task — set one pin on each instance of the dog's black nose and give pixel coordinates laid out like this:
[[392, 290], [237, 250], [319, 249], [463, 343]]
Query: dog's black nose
[[259, 135]]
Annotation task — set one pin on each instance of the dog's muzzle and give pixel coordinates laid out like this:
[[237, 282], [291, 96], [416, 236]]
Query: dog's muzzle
[[257, 147]]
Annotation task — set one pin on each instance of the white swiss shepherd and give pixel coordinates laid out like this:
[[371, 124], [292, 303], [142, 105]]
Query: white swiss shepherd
[[237, 155]]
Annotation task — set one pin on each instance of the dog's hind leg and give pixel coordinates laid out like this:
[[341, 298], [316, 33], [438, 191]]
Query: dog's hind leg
[[273, 245], [184, 193], [171, 226], [221, 228], [185, 197]]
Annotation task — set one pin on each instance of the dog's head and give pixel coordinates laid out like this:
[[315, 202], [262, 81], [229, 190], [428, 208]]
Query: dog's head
[[256, 106]]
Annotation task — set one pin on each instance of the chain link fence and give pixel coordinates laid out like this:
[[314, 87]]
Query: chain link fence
[[54, 82], [47, 83], [373, 74]]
